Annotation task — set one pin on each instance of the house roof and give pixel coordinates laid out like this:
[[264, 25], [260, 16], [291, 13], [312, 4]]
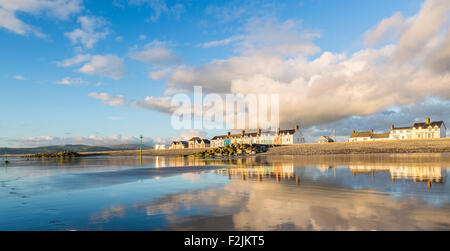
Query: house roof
[[289, 131], [402, 128], [195, 139], [380, 136], [425, 125], [219, 137], [206, 141], [360, 134]]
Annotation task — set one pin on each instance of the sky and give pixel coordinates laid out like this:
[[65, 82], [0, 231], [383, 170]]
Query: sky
[[102, 72]]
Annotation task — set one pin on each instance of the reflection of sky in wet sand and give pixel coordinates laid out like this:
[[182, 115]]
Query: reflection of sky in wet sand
[[386, 192]]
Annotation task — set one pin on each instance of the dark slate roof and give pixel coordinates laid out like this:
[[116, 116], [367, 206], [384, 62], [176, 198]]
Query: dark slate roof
[[425, 125], [196, 139], [219, 137], [289, 131], [401, 128], [206, 141]]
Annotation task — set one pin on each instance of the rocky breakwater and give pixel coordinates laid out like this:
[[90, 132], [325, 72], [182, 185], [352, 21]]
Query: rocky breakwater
[[66, 154], [232, 150]]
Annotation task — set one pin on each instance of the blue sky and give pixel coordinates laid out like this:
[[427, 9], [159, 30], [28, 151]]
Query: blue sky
[[49, 97]]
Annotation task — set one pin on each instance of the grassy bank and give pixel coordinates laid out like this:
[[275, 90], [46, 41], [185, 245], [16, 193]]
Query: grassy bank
[[398, 146]]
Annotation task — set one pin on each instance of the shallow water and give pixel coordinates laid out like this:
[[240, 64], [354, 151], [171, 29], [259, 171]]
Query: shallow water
[[342, 192]]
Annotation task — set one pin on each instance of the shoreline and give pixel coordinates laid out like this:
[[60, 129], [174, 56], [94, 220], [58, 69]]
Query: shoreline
[[307, 149]]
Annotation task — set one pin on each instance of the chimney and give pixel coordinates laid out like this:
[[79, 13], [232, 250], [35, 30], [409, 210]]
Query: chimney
[[228, 134], [428, 120], [392, 127], [243, 132], [259, 131], [371, 131], [297, 128], [353, 131]]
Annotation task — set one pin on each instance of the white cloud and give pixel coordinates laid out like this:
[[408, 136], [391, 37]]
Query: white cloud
[[221, 42], [80, 58], [60, 9], [388, 28], [157, 54], [19, 77], [142, 37], [161, 104], [90, 32], [108, 99], [274, 58], [332, 86], [104, 65], [160, 74], [159, 8], [72, 81]]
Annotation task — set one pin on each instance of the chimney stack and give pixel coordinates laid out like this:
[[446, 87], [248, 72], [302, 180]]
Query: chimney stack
[[259, 131], [428, 120], [392, 127], [371, 131], [297, 128], [228, 134], [243, 132]]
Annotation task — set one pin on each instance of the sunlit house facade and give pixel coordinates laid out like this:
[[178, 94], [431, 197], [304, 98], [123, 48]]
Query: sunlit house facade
[[422, 130], [278, 137]]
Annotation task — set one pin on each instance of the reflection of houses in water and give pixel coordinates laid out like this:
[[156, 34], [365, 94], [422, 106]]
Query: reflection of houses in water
[[178, 161], [324, 168], [277, 170], [421, 174], [416, 173]]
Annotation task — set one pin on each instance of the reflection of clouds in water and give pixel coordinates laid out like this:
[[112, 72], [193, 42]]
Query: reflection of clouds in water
[[268, 206], [108, 214], [192, 176]]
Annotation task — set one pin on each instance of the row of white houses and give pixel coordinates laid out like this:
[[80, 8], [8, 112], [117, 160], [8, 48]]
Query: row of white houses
[[278, 137], [422, 130]]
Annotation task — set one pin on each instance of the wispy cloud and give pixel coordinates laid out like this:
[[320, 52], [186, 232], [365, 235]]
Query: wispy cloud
[[221, 42], [158, 54], [19, 77], [90, 32], [59, 9], [109, 66], [108, 99], [159, 8], [72, 81]]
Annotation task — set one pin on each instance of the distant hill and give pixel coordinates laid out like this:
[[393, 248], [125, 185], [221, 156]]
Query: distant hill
[[74, 148]]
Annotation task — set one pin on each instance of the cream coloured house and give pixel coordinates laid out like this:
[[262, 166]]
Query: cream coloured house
[[160, 147], [278, 137], [179, 145], [422, 130]]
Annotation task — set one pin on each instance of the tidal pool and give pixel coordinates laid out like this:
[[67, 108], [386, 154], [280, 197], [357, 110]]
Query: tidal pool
[[340, 192]]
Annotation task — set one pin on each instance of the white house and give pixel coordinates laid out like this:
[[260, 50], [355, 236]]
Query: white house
[[278, 137], [160, 147], [325, 139], [423, 130], [179, 145]]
